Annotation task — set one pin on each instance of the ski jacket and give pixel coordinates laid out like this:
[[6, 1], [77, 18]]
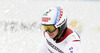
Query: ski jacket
[[70, 43]]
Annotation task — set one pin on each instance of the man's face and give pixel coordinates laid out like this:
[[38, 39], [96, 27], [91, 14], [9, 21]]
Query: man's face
[[53, 34]]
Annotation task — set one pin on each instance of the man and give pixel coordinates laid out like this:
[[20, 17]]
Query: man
[[58, 38]]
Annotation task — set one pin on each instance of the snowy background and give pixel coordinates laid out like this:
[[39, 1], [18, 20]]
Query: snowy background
[[20, 24]]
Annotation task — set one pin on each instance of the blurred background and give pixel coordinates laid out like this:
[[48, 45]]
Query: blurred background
[[20, 23]]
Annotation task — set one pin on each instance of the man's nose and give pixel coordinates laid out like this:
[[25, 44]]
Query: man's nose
[[48, 32]]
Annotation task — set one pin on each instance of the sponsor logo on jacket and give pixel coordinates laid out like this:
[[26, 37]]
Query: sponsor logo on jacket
[[54, 47]]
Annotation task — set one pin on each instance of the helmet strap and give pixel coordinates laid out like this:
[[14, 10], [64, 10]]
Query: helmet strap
[[61, 29]]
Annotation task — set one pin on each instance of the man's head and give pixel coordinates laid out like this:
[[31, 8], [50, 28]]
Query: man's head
[[54, 21]]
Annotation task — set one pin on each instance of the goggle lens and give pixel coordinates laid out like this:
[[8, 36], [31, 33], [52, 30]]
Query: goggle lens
[[50, 28]]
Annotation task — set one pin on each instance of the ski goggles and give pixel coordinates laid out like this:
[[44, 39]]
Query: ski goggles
[[50, 28]]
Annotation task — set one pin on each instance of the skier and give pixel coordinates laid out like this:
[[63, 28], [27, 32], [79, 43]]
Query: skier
[[58, 38]]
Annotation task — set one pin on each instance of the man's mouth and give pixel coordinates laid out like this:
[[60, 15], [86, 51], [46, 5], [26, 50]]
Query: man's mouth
[[50, 34]]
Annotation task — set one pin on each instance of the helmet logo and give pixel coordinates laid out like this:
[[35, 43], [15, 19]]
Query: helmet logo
[[61, 14], [60, 24], [45, 14], [45, 19]]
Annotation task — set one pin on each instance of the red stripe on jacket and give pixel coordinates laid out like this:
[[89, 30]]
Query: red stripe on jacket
[[68, 32], [76, 40], [44, 33]]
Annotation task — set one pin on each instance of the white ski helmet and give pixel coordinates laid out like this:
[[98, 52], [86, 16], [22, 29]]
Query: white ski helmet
[[55, 16]]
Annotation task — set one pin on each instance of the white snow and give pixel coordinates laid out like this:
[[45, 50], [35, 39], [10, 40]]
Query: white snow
[[20, 24]]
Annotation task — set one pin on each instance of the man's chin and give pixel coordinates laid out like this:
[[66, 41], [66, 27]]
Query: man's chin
[[52, 36]]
